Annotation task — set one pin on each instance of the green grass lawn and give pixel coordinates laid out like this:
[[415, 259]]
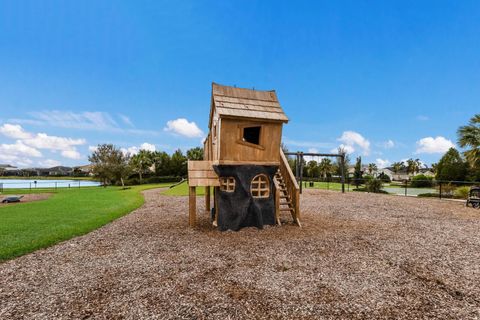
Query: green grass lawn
[[325, 185], [182, 190], [29, 226]]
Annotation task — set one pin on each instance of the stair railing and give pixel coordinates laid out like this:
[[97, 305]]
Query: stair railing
[[291, 185]]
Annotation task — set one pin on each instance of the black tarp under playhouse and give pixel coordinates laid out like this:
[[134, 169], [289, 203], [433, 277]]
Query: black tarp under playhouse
[[239, 209]]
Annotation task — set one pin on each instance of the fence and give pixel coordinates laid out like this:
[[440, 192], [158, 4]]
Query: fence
[[45, 184], [414, 188]]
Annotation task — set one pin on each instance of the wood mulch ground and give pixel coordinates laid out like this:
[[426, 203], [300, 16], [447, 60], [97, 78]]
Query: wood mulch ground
[[26, 198], [358, 256]]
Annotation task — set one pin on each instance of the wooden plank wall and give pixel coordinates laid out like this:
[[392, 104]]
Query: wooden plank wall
[[231, 148], [201, 173]]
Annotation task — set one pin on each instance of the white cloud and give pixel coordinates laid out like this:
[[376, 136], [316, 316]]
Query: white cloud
[[84, 120], [71, 154], [347, 149], [88, 120], [92, 148], [44, 141], [18, 154], [351, 139], [306, 144], [134, 149], [382, 163], [19, 149], [48, 163], [126, 120], [389, 144], [147, 146], [434, 145], [28, 144], [14, 131], [183, 127]]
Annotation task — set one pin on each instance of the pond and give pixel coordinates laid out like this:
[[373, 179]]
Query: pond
[[39, 183], [410, 191]]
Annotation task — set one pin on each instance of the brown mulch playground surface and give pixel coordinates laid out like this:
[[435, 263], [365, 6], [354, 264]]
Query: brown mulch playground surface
[[26, 198], [357, 256]]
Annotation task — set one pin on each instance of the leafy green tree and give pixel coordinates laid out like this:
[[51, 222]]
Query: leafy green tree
[[109, 164], [195, 153], [451, 167], [346, 162], [141, 162], [178, 164], [372, 168], [162, 163], [357, 174], [469, 137], [312, 169]]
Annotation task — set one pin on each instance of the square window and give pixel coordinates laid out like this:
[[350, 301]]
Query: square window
[[252, 134]]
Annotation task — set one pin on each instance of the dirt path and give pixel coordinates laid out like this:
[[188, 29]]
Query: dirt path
[[357, 256], [26, 198]]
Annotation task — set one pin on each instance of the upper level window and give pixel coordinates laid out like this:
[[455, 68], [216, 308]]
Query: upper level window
[[260, 187], [252, 134]]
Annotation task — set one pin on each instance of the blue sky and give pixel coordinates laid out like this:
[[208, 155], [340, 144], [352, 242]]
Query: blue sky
[[389, 80]]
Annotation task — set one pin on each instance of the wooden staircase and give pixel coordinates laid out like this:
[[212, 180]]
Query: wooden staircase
[[287, 194]]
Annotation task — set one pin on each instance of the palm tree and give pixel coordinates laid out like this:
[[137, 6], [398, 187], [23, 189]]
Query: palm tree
[[141, 162], [413, 166], [325, 167], [372, 167], [397, 166], [469, 137]]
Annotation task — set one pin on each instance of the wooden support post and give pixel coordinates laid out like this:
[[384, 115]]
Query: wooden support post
[[277, 204], [215, 205], [192, 206], [207, 199]]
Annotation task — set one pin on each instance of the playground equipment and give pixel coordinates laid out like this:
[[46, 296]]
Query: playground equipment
[[243, 162]]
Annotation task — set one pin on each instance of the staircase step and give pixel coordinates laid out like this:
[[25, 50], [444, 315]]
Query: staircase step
[[286, 209]]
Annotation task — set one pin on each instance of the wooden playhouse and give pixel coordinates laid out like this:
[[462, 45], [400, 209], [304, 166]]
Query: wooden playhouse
[[243, 162]]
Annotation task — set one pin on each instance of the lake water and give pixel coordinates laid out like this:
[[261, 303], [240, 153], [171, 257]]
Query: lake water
[[28, 183]]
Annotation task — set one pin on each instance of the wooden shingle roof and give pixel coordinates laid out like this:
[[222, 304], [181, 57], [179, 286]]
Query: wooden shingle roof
[[246, 103]]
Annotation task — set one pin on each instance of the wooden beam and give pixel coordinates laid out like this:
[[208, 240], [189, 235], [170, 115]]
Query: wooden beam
[[207, 199], [192, 206]]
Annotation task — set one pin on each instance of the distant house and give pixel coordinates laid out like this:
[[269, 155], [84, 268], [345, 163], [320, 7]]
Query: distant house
[[388, 171], [6, 169], [86, 170]]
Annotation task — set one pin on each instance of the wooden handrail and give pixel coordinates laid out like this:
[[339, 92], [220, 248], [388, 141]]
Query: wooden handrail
[[291, 185]]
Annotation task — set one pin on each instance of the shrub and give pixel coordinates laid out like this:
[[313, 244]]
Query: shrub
[[374, 185], [421, 181], [385, 178], [461, 192], [428, 195]]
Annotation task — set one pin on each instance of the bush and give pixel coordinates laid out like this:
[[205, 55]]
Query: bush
[[385, 178], [421, 181], [374, 185], [461, 192], [155, 179], [428, 195]]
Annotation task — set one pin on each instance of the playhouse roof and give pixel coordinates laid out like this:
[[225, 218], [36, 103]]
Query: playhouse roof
[[246, 103]]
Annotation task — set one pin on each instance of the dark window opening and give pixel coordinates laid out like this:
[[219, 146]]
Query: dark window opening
[[252, 135]]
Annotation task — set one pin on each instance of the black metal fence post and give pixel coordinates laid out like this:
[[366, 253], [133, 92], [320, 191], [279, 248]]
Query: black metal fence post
[[440, 190], [406, 192]]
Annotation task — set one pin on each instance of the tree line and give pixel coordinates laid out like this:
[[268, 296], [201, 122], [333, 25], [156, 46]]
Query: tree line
[[113, 166]]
